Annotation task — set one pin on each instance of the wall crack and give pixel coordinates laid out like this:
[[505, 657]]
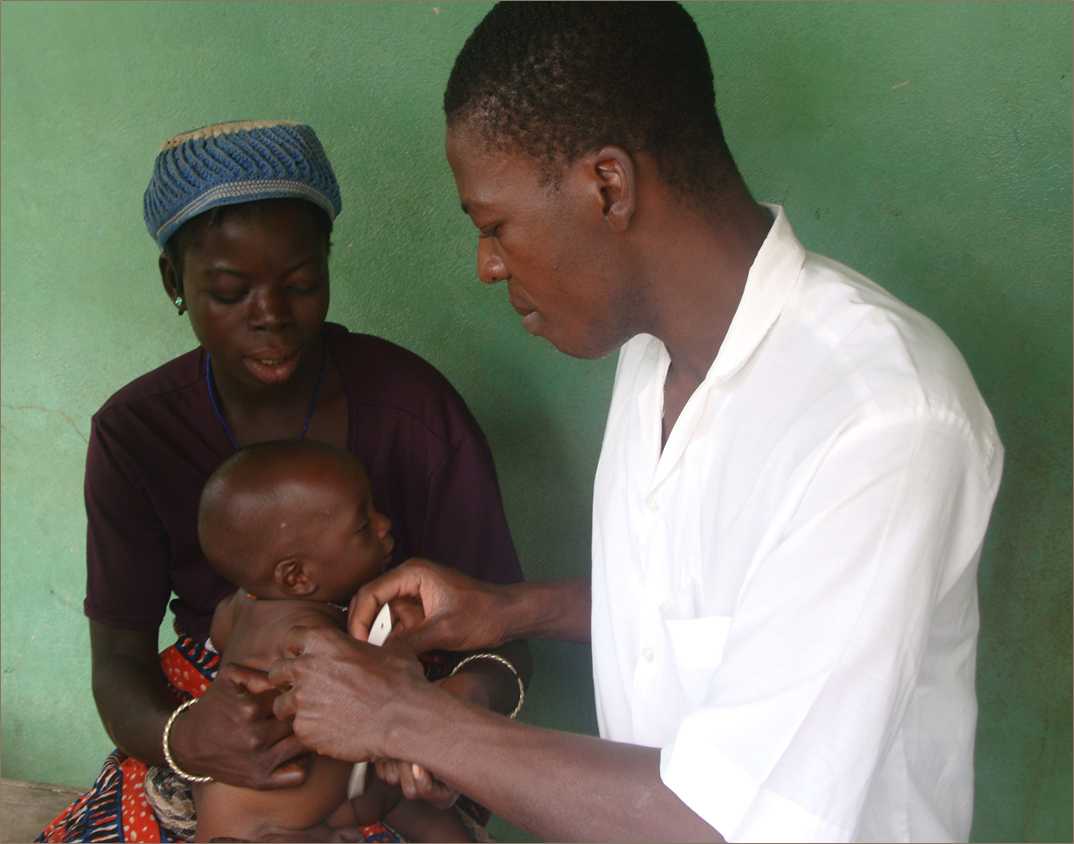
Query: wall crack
[[42, 409]]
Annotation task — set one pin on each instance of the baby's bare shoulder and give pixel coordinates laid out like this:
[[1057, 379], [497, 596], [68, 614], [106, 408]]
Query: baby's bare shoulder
[[262, 612], [261, 628]]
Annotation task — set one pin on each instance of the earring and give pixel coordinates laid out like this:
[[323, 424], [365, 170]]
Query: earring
[[179, 305]]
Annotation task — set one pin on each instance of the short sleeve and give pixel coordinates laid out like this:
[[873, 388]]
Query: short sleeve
[[127, 581], [837, 612], [465, 525]]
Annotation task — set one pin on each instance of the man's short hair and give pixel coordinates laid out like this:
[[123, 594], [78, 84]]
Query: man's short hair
[[559, 80]]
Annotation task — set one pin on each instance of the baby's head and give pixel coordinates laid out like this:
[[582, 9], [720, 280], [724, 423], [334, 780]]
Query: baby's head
[[293, 519]]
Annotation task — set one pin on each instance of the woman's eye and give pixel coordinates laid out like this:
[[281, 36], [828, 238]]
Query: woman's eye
[[489, 231], [226, 297], [303, 287]]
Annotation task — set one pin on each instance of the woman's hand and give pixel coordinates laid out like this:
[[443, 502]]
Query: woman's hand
[[460, 613], [232, 735], [345, 697]]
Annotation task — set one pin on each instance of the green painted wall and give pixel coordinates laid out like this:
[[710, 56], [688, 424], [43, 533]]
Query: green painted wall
[[928, 146]]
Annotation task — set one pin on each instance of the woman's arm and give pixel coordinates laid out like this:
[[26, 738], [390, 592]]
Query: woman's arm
[[131, 694], [487, 683], [229, 734]]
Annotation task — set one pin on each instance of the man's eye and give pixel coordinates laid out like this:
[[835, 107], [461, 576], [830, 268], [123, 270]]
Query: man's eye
[[363, 528], [489, 231]]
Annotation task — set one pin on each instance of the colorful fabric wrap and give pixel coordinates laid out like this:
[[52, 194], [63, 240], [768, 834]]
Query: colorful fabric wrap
[[232, 163], [131, 801]]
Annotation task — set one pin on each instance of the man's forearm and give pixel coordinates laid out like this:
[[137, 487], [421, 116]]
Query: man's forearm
[[553, 610], [559, 786]]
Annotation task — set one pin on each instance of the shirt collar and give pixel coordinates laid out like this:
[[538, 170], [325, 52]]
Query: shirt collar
[[771, 278]]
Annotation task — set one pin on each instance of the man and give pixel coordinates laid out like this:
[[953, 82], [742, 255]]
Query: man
[[794, 485]]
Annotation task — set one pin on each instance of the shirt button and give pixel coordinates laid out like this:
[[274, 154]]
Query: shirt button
[[653, 504], [647, 654]]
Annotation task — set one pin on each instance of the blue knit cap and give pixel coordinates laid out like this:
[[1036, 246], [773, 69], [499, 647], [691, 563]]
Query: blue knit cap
[[231, 163]]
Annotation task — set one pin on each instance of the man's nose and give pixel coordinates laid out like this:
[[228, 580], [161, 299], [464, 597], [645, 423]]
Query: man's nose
[[490, 266]]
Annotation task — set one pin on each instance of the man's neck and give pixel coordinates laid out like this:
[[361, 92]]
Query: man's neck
[[698, 263], [700, 281]]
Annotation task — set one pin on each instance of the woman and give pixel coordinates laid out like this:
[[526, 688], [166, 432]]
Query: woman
[[243, 214]]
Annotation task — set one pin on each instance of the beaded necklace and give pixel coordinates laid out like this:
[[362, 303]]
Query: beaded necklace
[[211, 384]]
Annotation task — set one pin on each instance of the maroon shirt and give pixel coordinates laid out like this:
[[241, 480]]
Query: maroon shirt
[[155, 442]]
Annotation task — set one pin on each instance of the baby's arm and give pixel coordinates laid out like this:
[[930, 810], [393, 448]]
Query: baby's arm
[[417, 820]]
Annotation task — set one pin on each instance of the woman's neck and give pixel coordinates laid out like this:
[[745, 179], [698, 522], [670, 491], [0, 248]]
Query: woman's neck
[[280, 411]]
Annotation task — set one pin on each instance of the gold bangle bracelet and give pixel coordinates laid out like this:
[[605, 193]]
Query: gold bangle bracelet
[[179, 772], [507, 664]]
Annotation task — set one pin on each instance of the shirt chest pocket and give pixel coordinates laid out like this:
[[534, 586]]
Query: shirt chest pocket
[[696, 648]]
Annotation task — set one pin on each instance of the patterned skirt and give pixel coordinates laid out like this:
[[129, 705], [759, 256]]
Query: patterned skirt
[[131, 801]]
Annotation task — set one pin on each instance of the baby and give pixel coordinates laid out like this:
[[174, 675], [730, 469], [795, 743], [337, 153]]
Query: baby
[[293, 525]]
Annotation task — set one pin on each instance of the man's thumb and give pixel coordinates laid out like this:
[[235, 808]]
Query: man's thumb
[[431, 635]]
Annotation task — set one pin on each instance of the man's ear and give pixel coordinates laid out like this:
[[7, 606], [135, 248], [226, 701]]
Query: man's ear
[[616, 180], [292, 577]]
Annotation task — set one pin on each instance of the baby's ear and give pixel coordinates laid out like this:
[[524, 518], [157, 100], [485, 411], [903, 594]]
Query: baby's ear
[[292, 577]]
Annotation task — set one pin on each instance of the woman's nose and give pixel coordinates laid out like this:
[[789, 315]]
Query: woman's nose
[[270, 308], [490, 266]]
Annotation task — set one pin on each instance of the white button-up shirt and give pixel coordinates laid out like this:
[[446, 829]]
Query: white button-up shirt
[[784, 598]]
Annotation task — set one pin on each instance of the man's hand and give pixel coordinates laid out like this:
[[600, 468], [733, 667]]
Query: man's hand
[[460, 613], [232, 735], [341, 694], [407, 616]]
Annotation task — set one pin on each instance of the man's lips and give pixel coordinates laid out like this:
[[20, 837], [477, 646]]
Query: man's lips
[[523, 308], [531, 317]]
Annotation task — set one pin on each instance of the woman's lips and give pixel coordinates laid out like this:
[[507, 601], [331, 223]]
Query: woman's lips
[[271, 367]]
